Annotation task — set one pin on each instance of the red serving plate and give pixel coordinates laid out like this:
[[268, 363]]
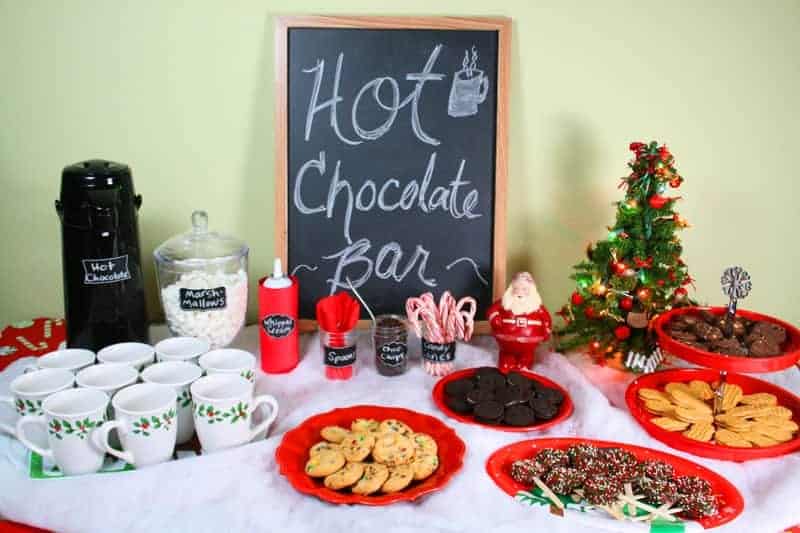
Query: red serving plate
[[675, 439], [563, 413], [730, 500], [292, 453], [730, 363]]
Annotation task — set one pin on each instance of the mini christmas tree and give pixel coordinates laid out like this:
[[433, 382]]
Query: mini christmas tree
[[634, 274]]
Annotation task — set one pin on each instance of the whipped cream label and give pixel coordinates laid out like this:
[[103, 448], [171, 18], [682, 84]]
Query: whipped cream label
[[106, 270], [278, 326]]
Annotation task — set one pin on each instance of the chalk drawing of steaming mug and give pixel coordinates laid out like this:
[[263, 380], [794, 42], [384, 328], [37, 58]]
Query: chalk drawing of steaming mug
[[467, 92]]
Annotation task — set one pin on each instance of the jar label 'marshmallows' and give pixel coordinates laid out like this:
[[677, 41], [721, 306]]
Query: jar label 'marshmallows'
[[203, 299]]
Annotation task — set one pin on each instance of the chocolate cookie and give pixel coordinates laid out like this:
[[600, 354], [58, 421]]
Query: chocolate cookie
[[511, 395], [484, 371], [459, 388], [459, 405], [476, 396], [707, 332], [517, 379], [519, 415], [552, 396], [770, 331], [491, 381], [682, 335], [729, 346], [543, 410], [490, 412], [764, 348], [739, 328]]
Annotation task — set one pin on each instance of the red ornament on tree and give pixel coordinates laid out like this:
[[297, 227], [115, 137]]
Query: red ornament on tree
[[622, 332], [675, 182], [626, 304], [589, 312], [576, 298], [664, 154], [636, 146], [619, 267], [661, 282], [680, 294], [643, 294], [657, 201]]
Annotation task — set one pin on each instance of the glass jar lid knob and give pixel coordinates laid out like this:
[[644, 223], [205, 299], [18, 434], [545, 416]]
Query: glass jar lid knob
[[199, 222]]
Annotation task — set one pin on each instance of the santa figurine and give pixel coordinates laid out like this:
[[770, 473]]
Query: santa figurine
[[519, 323]]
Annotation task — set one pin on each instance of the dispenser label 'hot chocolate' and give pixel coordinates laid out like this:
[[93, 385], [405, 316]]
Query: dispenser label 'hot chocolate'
[[203, 299], [277, 326], [340, 356], [106, 270]]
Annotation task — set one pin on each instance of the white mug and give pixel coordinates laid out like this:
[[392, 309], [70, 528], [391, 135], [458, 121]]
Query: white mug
[[187, 349], [136, 354], [28, 391], [230, 361], [72, 359], [178, 375], [145, 421], [223, 409], [71, 417], [107, 377]]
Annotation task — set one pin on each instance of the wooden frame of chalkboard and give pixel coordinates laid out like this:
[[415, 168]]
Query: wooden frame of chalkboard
[[500, 30]]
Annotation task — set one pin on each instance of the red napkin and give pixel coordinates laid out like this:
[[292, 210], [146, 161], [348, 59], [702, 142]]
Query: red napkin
[[338, 313]]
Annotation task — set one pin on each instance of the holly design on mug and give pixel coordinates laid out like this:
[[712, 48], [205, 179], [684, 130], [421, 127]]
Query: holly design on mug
[[249, 375], [28, 407], [232, 415], [146, 426], [185, 399], [79, 428]]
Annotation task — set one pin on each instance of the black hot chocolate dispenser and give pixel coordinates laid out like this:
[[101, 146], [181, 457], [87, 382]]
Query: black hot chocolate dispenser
[[103, 286]]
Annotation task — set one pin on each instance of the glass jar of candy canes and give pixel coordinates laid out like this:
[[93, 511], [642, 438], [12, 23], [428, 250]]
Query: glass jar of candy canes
[[439, 326]]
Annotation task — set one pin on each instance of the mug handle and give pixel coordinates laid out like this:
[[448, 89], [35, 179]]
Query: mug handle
[[20, 433], [100, 437], [273, 413], [484, 89], [8, 428]]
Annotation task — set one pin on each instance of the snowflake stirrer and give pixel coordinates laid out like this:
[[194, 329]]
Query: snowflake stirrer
[[736, 285]]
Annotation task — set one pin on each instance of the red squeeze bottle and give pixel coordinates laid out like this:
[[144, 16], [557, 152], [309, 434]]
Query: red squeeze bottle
[[278, 297]]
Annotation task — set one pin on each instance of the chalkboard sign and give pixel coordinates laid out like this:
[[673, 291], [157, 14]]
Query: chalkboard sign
[[390, 156]]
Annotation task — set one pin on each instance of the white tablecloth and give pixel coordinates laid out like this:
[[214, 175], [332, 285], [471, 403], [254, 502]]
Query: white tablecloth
[[241, 490]]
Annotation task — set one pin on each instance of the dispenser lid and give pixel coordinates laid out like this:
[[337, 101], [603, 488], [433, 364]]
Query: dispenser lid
[[200, 244], [93, 181]]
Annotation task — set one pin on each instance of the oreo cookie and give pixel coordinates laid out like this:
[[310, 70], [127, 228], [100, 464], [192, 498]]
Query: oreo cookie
[[519, 415], [458, 405], [518, 380], [511, 395], [476, 396], [459, 388], [552, 396], [491, 381], [543, 410], [490, 412]]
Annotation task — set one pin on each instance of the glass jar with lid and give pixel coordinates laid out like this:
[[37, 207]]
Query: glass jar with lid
[[202, 277]]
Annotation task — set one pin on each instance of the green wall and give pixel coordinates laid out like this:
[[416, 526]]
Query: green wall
[[183, 92]]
